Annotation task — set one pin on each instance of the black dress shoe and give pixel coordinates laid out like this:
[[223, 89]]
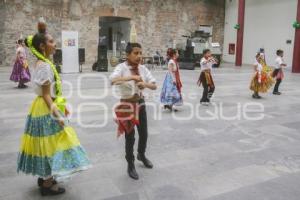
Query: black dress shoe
[[277, 93], [146, 162], [132, 172], [41, 181], [168, 107], [256, 96], [48, 191], [22, 86]]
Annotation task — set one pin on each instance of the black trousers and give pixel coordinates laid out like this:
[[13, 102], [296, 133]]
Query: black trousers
[[207, 91], [278, 81], [143, 135]]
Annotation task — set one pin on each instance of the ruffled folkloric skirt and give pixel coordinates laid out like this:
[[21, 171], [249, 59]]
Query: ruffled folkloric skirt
[[169, 93], [47, 149], [264, 85], [20, 73]]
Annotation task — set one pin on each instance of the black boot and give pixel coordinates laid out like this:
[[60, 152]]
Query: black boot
[[22, 85], [41, 181], [131, 171], [168, 107], [256, 95], [147, 163]]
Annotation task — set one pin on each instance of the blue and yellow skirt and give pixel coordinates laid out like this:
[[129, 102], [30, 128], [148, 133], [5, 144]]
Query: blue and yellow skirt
[[47, 149]]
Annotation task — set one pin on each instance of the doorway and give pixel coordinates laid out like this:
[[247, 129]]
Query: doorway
[[114, 33]]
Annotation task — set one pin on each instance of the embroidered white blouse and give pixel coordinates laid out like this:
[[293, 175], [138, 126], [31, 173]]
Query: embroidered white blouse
[[21, 52], [172, 67], [259, 66], [42, 73]]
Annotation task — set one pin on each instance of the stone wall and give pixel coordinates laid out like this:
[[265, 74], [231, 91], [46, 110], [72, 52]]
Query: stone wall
[[21, 17], [158, 23], [3, 19]]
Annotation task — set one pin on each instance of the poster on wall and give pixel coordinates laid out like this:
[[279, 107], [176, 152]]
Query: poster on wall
[[70, 61]]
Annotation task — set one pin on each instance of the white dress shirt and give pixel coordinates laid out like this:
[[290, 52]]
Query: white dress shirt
[[278, 62], [129, 88], [205, 64]]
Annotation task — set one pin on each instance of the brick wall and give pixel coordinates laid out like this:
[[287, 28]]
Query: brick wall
[[158, 23]]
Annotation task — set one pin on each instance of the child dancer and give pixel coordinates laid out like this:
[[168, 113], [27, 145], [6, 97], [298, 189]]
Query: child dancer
[[263, 61], [278, 71], [132, 110], [50, 148], [205, 77], [261, 80], [20, 72], [171, 90]]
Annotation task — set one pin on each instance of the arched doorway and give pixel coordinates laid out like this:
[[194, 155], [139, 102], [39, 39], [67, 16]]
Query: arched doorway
[[114, 33]]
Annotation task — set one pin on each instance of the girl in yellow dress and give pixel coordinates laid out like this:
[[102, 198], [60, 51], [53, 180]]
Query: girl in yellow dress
[[261, 81], [50, 148]]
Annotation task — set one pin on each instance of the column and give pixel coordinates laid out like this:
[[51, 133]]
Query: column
[[240, 33]]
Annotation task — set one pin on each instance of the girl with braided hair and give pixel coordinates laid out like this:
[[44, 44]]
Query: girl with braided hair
[[49, 148]]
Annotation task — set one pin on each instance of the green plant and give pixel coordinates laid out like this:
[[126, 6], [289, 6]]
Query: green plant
[[237, 26], [296, 24]]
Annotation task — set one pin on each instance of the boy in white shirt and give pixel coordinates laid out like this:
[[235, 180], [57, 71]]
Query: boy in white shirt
[[205, 77], [278, 71], [131, 111]]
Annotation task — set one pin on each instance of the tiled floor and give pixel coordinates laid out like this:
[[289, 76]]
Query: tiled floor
[[220, 152]]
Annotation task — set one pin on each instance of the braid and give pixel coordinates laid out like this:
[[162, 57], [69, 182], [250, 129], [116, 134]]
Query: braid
[[57, 78], [59, 101], [33, 42]]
